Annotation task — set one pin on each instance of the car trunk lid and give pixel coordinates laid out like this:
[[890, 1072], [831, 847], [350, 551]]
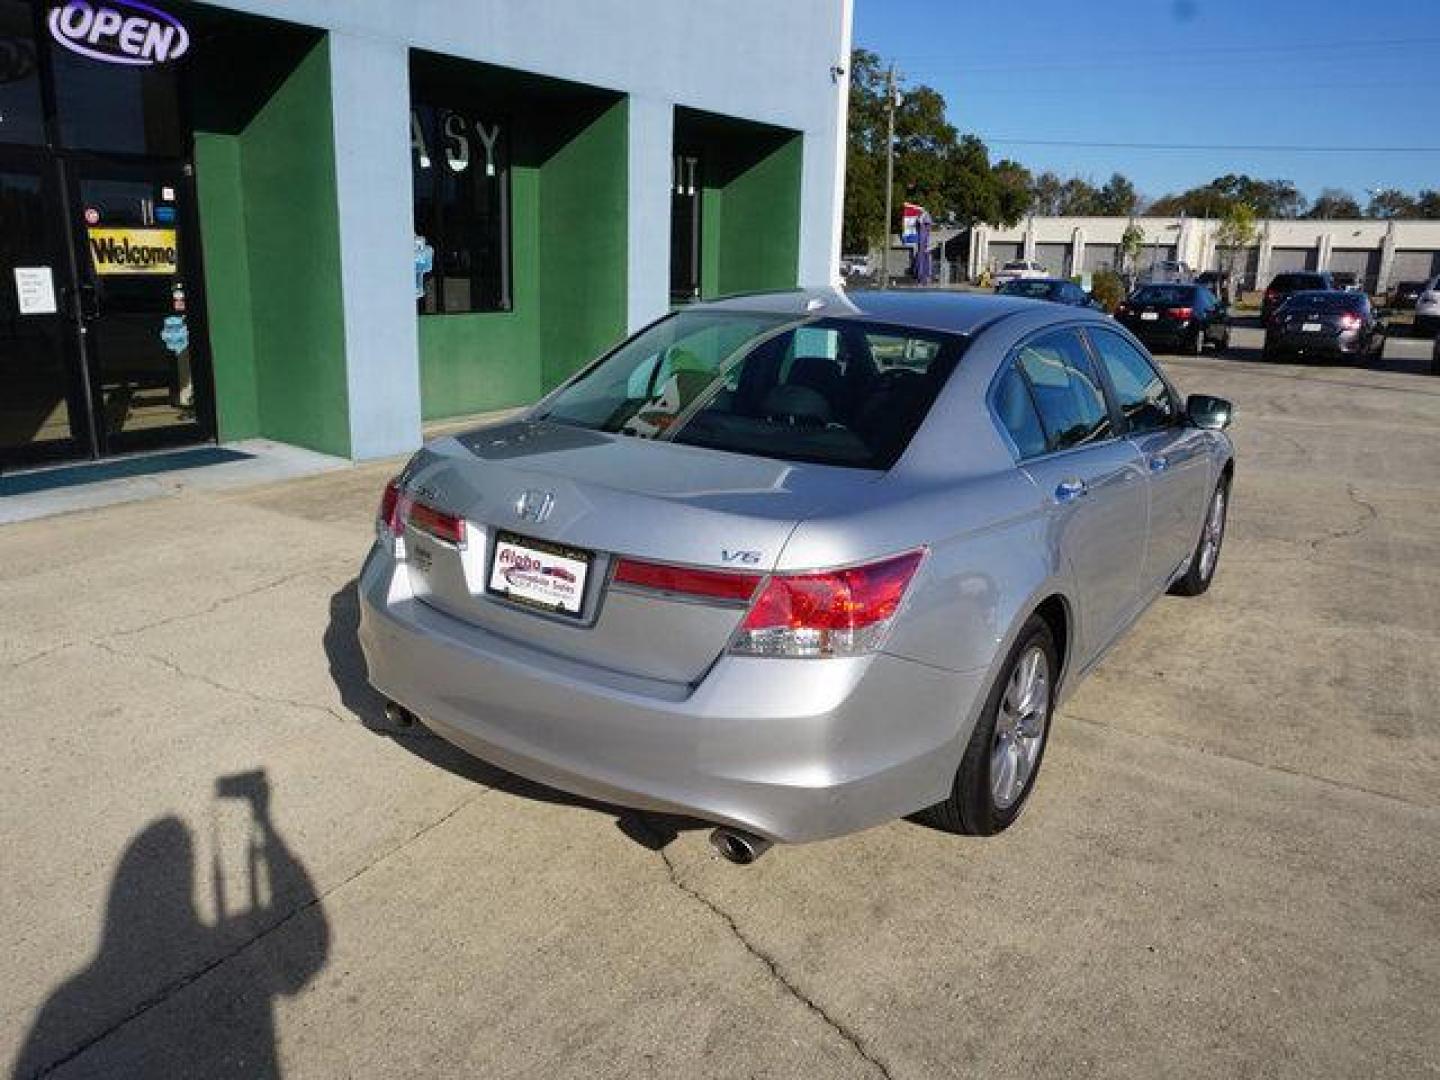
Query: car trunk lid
[[576, 502]]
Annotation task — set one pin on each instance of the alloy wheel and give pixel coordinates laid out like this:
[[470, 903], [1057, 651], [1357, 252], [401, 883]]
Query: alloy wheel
[[1214, 532], [1020, 728]]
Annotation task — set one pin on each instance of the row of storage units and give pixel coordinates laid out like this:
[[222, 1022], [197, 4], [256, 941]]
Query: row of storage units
[[1364, 263]]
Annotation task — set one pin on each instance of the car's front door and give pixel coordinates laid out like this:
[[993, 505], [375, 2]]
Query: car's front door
[[1093, 481], [1175, 454]]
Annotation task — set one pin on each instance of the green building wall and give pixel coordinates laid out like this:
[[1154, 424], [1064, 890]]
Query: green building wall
[[568, 276], [270, 230]]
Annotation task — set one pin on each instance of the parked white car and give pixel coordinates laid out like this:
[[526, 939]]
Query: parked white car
[[1018, 270]]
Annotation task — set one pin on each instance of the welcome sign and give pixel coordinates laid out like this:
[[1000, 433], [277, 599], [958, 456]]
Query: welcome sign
[[119, 32], [133, 251]]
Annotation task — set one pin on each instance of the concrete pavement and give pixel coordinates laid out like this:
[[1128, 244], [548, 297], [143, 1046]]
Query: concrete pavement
[[1231, 865]]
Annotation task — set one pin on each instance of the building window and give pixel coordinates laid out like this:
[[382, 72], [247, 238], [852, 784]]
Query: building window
[[461, 165], [685, 188], [21, 118]]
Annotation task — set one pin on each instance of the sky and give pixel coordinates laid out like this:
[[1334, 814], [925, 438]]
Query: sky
[[1258, 76]]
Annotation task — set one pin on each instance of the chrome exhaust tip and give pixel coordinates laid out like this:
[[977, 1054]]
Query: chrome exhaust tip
[[397, 716], [739, 847]]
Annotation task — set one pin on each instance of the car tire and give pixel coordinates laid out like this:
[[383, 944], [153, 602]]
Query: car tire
[[1206, 556], [1006, 748], [1224, 345]]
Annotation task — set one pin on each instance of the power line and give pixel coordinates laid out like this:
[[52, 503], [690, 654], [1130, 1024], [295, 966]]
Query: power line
[[1253, 147]]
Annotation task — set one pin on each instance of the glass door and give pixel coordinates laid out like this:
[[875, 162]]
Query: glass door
[[43, 411], [136, 307]]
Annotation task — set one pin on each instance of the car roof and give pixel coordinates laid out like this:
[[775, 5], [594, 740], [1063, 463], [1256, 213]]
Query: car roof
[[929, 309]]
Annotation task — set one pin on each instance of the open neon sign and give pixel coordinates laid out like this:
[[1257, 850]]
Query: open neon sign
[[119, 32]]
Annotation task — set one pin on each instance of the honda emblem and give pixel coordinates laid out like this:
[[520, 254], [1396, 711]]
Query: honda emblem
[[534, 505]]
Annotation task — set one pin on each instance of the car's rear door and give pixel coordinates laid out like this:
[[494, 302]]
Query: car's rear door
[[1175, 454], [1093, 480]]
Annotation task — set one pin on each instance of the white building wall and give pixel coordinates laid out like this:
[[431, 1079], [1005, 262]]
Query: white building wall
[[775, 63]]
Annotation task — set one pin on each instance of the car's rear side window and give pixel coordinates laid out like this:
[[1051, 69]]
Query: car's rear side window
[[1066, 389], [1140, 392], [1017, 412]]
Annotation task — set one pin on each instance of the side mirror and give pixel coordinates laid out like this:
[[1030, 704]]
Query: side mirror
[[1210, 413]]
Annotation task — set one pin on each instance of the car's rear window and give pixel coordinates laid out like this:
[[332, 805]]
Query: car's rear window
[[1327, 301], [1031, 287], [831, 391], [1164, 294], [1295, 282]]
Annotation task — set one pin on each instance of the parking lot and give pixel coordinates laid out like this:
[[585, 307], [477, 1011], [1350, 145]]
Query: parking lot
[[1231, 865]]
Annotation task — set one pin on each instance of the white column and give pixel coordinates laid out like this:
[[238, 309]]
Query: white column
[[1077, 251], [1387, 258], [822, 174], [652, 135], [1324, 244], [370, 94]]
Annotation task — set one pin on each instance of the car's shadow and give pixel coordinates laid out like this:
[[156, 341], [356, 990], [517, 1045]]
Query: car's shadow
[[347, 668]]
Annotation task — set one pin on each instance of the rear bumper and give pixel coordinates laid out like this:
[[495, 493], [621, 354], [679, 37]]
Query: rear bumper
[[793, 750], [1345, 344], [1162, 333]]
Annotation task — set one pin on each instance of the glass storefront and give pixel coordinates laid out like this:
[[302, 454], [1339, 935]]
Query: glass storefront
[[102, 342]]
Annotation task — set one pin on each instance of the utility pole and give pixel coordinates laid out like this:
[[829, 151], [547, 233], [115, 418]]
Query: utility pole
[[890, 95]]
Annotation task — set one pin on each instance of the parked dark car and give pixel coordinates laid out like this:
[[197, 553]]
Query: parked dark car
[[1404, 294], [1296, 281], [1183, 317], [1056, 290], [1327, 323]]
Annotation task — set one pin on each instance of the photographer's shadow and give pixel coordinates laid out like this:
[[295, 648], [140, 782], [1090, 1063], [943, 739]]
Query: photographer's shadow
[[155, 943], [347, 668]]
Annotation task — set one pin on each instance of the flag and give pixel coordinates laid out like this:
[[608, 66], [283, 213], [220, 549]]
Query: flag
[[911, 215]]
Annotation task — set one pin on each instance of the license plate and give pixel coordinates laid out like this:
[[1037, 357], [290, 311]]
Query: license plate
[[1149, 316], [1311, 327], [547, 576]]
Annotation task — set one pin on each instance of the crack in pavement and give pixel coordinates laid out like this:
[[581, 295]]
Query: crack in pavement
[[214, 605], [1264, 766], [852, 1039], [1369, 518], [177, 985], [240, 691]]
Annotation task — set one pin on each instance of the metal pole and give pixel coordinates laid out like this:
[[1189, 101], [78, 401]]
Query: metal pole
[[889, 175]]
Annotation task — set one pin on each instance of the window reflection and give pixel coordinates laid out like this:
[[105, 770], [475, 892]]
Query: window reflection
[[21, 117]]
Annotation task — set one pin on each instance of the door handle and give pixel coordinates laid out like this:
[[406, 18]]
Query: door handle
[[87, 302], [1159, 463], [1069, 490]]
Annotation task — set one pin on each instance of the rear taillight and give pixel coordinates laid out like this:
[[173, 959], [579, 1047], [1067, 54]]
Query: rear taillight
[[1179, 312], [442, 526], [1271, 294], [397, 509], [833, 613], [1122, 309], [1349, 322], [393, 507], [687, 580]]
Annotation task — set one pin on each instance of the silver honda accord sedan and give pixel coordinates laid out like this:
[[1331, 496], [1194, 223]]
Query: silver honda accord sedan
[[798, 563]]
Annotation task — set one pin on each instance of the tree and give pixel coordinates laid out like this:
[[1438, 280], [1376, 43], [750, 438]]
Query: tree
[[1427, 204], [950, 175], [1118, 198], [1237, 231], [1392, 203], [1333, 203], [1131, 241], [1080, 198], [1267, 198], [1046, 193]]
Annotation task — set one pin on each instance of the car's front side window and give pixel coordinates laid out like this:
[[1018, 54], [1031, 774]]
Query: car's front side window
[[1066, 389], [1141, 393]]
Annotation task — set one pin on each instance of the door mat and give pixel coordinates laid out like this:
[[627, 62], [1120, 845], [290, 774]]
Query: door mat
[[94, 472]]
